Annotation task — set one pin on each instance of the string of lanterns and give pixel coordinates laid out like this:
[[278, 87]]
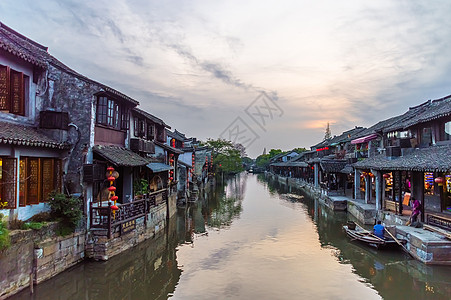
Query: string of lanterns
[[112, 191]]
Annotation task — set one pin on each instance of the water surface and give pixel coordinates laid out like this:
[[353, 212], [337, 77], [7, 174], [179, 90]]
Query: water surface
[[248, 240]]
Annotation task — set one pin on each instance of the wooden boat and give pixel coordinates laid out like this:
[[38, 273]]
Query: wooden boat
[[364, 236]]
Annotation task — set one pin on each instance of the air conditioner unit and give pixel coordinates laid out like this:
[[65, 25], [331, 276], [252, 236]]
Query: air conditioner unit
[[136, 145]]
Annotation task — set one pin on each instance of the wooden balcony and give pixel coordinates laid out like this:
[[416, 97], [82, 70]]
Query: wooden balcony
[[125, 217]]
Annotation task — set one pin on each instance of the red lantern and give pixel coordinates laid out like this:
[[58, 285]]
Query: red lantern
[[386, 175], [111, 178], [112, 188], [114, 207], [439, 180], [171, 178], [110, 169], [114, 198]]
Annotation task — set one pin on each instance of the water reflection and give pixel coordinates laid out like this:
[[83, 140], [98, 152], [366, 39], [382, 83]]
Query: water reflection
[[244, 240], [147, 271], [392, 273]]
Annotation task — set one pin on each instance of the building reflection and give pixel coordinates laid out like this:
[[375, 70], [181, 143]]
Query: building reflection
[[147, 271], [391, 273]]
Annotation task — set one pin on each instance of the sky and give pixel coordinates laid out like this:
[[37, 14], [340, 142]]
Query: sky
[[267, 74]]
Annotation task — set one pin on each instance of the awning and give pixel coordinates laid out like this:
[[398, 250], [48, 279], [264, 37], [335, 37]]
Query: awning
[[159, 167], [119, 156], [364, 139]]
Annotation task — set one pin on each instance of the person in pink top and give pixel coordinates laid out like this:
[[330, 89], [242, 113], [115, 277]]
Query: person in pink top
[[416, 209]]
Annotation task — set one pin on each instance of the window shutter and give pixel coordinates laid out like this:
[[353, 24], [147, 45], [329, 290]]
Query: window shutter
[[48, 184], [58, 170], [22, 182], [33, 190], [17, 93], [4, 88], [9, 182]]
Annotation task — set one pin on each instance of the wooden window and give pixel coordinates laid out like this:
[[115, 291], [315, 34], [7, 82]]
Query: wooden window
[[48, 185], [136, 127], [142, 128], [12, 91], [38, 178], [125, 118], [102, 110], [8, 183], [4, 88], [150, 131], [110, 113], [33, 181], [22, 182]]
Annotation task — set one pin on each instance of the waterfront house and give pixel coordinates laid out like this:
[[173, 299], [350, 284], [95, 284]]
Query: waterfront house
[[416, 162]]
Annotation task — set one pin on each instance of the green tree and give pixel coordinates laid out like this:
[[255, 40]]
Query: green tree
[[299, 150], [226, 156], [263, 160]]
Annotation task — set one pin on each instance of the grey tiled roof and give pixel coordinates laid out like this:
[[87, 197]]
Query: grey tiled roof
[[20, 46], [346, 136], [425, 112], [177, 135], [26, 136], [32, 52], [291, 164], [332, 165], [120, 156], [432, 159], [151, 117], [169, 148]]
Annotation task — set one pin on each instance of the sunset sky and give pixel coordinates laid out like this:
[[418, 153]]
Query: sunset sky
[[199, 64]]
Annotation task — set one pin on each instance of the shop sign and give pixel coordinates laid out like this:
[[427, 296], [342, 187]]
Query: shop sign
[[128, 226]]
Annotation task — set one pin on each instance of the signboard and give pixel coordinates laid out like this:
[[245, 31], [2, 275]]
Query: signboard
[[128, 226]]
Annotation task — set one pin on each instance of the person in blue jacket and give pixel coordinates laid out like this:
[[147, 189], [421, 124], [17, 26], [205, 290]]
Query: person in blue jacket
[[378, 230]]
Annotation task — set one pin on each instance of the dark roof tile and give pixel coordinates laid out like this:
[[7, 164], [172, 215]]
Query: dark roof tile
[[26, 136]]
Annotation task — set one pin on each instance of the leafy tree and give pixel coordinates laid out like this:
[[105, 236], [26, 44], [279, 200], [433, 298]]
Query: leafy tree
[[263, 160], [299, 150], [226, 156]]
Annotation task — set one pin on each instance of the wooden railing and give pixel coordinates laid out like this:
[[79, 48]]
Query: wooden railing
[[104, 218]]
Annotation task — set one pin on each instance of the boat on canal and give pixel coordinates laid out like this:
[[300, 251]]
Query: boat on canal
[[368, 238]]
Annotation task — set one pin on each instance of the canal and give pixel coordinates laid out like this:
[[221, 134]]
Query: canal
[[247, 240]]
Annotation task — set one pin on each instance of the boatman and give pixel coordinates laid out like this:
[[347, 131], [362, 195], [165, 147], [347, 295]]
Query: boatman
[[378, 230]]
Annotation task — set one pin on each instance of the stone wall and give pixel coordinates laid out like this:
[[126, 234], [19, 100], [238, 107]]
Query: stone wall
[[55, 255], [20, 264], [73, 94], [99, 247]]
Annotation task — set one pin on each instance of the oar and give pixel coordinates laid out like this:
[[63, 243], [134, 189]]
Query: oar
[[370, 233], [399, 243]]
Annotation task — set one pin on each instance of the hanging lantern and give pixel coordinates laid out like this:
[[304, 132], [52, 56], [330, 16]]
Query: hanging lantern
[[386, 175], [110, 169], [111, 178], [439, 180], [114, 208], [112, 188], [114, 198]]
